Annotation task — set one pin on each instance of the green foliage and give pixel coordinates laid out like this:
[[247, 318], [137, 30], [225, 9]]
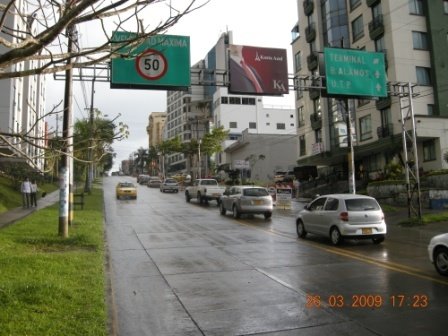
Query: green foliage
[[394, 171], [50, 285]]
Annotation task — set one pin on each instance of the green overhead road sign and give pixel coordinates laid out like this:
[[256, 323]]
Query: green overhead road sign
[[355, 73], [160, 62]]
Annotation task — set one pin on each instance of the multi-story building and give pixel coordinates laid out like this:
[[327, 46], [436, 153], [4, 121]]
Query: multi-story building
[[191, 114], [156, 123], [22, 103], [412, 35]]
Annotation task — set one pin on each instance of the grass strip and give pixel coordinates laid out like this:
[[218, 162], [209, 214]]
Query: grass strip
[[50, 285]]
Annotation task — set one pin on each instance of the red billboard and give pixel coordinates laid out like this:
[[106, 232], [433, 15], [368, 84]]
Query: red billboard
[[257, 71]]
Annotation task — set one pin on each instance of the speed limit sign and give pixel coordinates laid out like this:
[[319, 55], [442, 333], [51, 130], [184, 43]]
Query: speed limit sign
[[151, 64]]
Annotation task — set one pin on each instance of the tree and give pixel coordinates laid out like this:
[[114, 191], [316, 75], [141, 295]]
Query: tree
[[103, 134], [47, 24]]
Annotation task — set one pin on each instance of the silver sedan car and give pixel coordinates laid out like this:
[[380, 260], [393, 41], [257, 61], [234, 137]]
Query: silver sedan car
[[246, 200], [169, 184], [340, 216]]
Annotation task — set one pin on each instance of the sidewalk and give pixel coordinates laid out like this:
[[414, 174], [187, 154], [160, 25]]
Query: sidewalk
[[16, 214]]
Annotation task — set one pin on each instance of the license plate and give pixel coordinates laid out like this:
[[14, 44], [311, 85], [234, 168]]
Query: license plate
[[258, 202], [367, 231], [215, 194]]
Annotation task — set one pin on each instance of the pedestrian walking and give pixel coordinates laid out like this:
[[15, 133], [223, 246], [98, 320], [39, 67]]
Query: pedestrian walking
[[33, 194], [26, 191]]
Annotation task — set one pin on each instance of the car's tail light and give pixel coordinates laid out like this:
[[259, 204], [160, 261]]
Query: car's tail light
[[343, 216]]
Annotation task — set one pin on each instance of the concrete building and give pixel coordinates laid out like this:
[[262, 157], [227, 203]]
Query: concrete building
[[191, 114], [412, 36], [22, 104], [156, 124]]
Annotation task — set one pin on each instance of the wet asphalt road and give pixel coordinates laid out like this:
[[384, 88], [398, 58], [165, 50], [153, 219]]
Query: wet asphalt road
[[179, 268]]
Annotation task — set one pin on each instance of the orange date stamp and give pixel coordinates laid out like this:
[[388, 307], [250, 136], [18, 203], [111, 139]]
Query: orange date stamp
[[372, 301]]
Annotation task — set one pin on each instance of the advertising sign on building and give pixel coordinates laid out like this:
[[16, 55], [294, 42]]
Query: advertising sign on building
[[255, 70], [160, 62]]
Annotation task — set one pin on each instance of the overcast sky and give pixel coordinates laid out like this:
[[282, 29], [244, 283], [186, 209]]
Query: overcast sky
[[261, 23]]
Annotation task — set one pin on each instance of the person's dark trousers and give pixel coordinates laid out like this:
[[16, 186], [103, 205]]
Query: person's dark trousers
[[26, 200], [33, 199]]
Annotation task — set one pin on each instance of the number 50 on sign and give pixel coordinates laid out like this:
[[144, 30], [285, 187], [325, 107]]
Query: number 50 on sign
[[151, 64]]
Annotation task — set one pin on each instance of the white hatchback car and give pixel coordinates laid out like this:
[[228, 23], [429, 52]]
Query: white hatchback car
[[340, 216], [438, 253]]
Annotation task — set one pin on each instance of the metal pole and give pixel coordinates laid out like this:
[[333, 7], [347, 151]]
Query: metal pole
[[89, 174], [351, 154], [199, 159]]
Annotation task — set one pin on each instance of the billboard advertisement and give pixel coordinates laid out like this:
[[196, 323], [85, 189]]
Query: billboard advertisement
[[257, 71], [160, 62]]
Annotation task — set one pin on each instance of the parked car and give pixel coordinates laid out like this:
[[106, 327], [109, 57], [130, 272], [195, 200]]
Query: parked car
[[341, 216], [246, 200], [169, 184], [154, 183], [438, 253], [143, 179], [126, 190]]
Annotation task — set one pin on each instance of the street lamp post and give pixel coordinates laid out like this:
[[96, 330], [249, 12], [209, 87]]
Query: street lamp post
[[199, 158]]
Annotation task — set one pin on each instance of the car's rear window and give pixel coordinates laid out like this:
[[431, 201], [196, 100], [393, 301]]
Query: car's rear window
[[255, 192], [126, 185], [170, 181], [361, 204]]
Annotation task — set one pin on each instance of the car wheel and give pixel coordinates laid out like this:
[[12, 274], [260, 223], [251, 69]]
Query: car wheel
[[267, 215], [301, 232], [222, 210], [378, 240], [335, 236], [236, 213], [441, 260], [187, 197]]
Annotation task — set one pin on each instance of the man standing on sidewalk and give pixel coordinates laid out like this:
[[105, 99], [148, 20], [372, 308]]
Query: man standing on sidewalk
[[33, 194], [26, 191]]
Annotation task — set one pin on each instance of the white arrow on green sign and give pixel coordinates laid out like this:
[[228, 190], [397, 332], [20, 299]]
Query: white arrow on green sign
[[355, 73]]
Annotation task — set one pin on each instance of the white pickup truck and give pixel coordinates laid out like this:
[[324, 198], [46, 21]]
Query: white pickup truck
[[204, 190]]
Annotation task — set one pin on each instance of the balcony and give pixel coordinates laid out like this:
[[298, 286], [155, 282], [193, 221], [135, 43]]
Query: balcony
[[385, 131], [316, 121], [383, 103], [308, 7], [313, 61], [372, 3], [314, 93], [310, 33], [376, 27]]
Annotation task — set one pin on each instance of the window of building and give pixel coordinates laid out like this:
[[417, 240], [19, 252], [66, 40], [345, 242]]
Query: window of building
[[268, 124], [354, 4], [281, 126], [429, 150], [248, 101], [430, 109], [423, 75], [445, 6], [298, 61], [416, 7], [379, 44], [235, 100], [365, 128], [318, 135], [376, 11], [252, 125], [267, 115], [302, 145], [233, 124], [357, 28], [420, 40], [300, 116], [224, 100]]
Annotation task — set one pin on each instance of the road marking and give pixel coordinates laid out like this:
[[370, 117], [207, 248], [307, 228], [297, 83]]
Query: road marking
[[356, 256]]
